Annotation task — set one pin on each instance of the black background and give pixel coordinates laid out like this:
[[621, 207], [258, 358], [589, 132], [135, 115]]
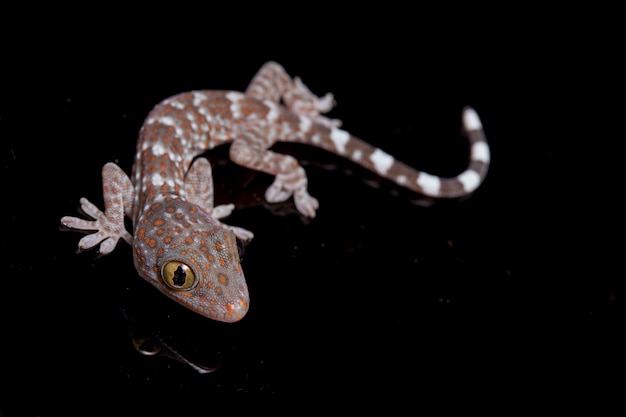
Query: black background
[[505, 300]]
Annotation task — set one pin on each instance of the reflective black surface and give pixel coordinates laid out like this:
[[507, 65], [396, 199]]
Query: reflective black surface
[[382, 299]]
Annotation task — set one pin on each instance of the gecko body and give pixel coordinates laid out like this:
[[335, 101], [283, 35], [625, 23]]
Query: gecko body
[[180, 245]]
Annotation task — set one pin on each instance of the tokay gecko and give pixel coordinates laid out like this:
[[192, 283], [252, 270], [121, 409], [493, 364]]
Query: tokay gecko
[[179, 243]]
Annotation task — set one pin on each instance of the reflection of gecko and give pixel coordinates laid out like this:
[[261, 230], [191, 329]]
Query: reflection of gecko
[[179, 245]]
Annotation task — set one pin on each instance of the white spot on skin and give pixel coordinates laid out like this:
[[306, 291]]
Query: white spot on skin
[[198, 98], [273, 112], [158, 149], [356, 155], [402, 180], [470, 180], [176, 104], [234, 96], [167, 121], [174, 157], [339, 138], [305, 124], [429, 183], [204, 112], [157, 180], [471, 121], [316, 139], [382, 161], [235, 109], [480, 152]]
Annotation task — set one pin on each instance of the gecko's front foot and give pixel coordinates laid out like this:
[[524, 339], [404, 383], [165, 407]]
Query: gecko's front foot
[[243, 234], [224, 210], [109, 225]]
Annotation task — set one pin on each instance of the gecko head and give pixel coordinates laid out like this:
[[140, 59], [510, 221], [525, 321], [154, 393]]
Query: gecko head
[[192, 259]]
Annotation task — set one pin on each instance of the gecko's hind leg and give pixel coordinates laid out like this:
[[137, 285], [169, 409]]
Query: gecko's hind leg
[[289, 177], [273, 83]]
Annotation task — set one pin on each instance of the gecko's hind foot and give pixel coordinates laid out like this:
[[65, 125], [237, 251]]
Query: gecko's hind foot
[[303, 102], [305, 203]]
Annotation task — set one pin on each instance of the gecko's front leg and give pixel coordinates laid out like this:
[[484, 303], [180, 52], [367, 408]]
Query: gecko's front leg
[[109, 225], [199, 190]]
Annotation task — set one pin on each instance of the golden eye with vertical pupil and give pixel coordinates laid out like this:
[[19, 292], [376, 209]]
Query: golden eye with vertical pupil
[[178, 275]]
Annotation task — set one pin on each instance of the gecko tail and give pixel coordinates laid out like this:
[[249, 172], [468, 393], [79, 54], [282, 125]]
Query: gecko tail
[[387, 166]]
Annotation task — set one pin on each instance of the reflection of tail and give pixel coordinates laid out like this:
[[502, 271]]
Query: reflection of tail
[[342, 143]]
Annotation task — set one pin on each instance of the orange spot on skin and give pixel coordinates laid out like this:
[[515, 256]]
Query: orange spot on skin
[[218, 246], [141, 233], [222, 262], [167, 239], [186, 294], [223, 279], [159, 222], [230, 309], [189, 239]]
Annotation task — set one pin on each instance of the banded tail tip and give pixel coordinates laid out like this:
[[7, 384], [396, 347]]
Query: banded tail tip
[[471, 121]]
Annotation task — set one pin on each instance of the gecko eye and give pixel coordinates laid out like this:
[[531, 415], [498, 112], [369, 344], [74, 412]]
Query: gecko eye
[[178, 276]]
